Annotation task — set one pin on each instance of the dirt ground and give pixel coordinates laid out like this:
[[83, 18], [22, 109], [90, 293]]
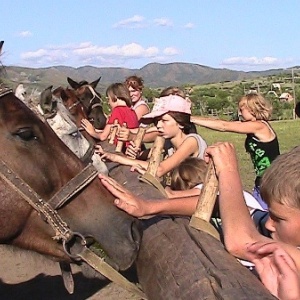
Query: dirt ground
[[26, 275]]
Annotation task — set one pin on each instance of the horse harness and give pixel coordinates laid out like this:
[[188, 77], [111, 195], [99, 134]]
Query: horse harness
[[48, 210], [95, 95]]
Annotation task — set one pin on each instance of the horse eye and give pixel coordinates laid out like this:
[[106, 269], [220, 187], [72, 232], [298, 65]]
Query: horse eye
[[26, 134]]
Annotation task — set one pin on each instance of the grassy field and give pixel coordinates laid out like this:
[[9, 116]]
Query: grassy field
[[288, 133]]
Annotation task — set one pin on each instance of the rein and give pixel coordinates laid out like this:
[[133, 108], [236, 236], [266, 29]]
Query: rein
[[63, 233]]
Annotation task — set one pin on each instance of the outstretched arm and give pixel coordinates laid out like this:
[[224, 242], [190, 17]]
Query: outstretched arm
[[137, 207], [230, 126], [101, 135], [139, 165]]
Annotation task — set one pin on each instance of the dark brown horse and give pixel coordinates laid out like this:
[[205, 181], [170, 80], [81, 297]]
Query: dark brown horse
[[33, 152], [91, 100], [297, 109]]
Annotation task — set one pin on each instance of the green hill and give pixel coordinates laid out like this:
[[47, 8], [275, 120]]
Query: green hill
[[155, 75]]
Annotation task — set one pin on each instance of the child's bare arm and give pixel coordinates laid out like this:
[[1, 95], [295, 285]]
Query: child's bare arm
[[238, 227]]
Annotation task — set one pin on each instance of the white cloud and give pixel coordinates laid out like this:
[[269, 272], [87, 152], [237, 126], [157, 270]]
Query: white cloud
[[163, 22], [170, 51], [44, 56], [251, 61], [189, 25], [88, 53], [24, 34], [134, 22], [129, 50]]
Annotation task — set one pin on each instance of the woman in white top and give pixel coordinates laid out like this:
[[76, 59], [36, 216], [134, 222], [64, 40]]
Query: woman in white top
[[135, 85]]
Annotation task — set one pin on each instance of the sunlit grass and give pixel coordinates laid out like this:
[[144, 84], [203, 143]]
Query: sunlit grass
[[288, 133]]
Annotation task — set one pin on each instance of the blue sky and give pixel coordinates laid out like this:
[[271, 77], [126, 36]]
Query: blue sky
[[233, 34]]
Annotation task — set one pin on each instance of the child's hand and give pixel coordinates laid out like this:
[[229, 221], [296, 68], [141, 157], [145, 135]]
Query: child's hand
[[88, 126], [132, 151], [105, 156], [125, 200], [139, 169], [276, 269], [223, 155], [99, 150], [123, 134]]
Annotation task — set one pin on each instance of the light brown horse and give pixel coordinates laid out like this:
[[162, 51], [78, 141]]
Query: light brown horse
[[33, 153]]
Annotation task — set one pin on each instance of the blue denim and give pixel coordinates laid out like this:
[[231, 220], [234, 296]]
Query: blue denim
[[260, 219], [257, 196]]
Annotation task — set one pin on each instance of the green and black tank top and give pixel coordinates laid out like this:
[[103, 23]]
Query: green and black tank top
[[262, 153]]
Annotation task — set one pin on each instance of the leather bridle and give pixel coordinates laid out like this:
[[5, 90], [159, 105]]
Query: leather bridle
[[48, 210]]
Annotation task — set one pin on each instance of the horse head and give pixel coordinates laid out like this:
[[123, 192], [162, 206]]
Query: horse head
[[36, 156], [91, 100], [74, 105]]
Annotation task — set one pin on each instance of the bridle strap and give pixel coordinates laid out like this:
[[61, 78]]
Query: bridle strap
[[96, 105], [95, 95], [105, 269], [51, 216], [73, 105], [75, 185], [88, 154], [4, 91]]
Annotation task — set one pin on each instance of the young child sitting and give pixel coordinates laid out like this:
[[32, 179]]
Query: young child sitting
[[187, 180], [120, 102]]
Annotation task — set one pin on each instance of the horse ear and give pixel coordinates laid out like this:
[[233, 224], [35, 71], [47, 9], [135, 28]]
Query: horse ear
[[57, 92], [49, 88], [94, 83], [75, 85], [63, 95], [46, 100], [1, 44]]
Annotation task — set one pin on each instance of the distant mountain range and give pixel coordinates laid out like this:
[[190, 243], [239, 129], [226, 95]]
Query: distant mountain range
[[155, 75]]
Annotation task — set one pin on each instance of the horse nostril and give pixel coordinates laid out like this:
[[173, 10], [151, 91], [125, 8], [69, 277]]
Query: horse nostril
[[136, 233]]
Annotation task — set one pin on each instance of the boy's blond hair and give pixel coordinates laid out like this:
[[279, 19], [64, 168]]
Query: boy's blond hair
[[188, 174], [258, 106], [280, 182]]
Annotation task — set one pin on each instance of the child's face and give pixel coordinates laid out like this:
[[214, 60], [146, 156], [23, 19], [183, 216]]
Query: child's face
[[167, 126], [245, 112], [284, 224], [111, 103]]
